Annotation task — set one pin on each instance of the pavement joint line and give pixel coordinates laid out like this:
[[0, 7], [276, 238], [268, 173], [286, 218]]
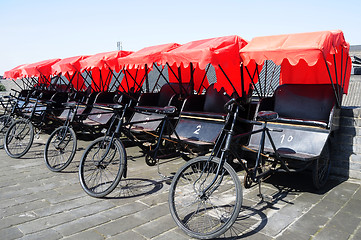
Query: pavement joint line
[[330, 219]]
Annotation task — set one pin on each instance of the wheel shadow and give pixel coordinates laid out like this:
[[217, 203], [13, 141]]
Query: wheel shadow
[[135, 187], [282, 188]]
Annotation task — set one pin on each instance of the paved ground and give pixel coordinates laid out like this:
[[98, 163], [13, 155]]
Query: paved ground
[[38, 204]]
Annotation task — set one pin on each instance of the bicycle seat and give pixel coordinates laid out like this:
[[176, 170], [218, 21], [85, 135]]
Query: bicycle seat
[[267, 115]]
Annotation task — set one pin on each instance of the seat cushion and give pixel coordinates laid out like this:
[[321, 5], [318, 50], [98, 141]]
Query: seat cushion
[[304, 101]]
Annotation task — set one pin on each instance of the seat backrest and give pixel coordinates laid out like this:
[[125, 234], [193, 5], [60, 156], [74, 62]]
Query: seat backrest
[[304, 101], [214, 100], [169, 90]]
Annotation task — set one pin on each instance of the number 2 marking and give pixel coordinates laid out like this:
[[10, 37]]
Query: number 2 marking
[[198, 129]]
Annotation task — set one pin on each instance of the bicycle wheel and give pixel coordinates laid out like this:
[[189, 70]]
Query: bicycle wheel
[[5, 123], [205, 216], [19, 138], [101, 166], [321, 168], [60, 148]]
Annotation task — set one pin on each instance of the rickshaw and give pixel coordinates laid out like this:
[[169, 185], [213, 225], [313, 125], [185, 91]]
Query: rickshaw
[[42, 102], [289, 132], [87, 110], [104, 162]]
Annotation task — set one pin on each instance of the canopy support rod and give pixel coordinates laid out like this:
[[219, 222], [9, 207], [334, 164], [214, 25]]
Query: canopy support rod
[[234, 89], [336, 76], [145, 76], [249, 74], [192, 70], [242, 81], [92, 81], [204, 77], [259, 81], [134, 79], [333, 85], [146, 79], [343, 84], [175, 75], [17, 84], [160, 75]]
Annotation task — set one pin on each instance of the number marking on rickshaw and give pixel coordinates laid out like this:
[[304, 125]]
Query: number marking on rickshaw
[[289, 139], [198, 129]]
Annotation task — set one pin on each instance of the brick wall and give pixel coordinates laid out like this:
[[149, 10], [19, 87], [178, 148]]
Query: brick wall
[[346, 144]]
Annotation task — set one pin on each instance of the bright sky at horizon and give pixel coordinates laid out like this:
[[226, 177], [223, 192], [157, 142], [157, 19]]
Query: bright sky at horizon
[[37, 30]]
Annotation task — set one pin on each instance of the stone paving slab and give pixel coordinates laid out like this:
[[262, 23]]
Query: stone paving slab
[[36, 203]]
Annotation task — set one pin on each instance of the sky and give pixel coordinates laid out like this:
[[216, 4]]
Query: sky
[[35, 30]]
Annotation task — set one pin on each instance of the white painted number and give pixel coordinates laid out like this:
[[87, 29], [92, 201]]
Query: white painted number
[[198, 129], [289, 139]]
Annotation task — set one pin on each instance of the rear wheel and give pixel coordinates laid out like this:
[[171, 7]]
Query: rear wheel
[[5, 123], [102, 166], [321, 168], [19, 138], [60, 148], [200, 214]]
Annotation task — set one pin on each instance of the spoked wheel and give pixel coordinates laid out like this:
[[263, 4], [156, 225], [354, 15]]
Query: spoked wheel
[[60, 148], [19, 138], [5, 123], [101, 166], [321, 168], [200, 214]]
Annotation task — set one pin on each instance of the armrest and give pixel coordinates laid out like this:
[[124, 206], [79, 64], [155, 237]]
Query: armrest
[[148, 99], [194, 103]]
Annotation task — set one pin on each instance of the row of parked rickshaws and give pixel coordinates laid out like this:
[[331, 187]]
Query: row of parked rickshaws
[[268, 105]]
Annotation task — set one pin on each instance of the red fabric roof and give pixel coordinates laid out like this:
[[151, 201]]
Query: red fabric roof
[[220, 50], [14, 73], [148, 55], [302, 57], [38, 69], [104, 60], [307, 46], [67, 65]]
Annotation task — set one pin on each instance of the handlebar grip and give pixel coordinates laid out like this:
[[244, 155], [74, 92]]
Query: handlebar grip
[[233, 101]]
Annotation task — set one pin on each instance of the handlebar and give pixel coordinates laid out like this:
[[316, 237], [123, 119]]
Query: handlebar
[[227, 106]]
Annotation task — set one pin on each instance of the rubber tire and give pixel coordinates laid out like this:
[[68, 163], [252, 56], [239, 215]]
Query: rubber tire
[[9, 137], [195, 166], [5, 123], [59, 152], [321, 168], [88, 164]]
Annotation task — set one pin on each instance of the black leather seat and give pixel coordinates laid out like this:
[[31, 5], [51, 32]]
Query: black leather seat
[[162, 101], [209, 105], [308, 104]]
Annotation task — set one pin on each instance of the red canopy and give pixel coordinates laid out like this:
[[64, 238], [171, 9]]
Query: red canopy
[[38, 69], [146, 56], [14, 73], [67, 65], [221, 52], [104, 60], [302, 57]]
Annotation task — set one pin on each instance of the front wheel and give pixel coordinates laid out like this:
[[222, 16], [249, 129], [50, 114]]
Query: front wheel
[[205, 215], [60, 148], [19, 138], [102, 166]]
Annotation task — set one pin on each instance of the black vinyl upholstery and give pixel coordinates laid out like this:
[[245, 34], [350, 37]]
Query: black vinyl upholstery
[[309, 104]]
